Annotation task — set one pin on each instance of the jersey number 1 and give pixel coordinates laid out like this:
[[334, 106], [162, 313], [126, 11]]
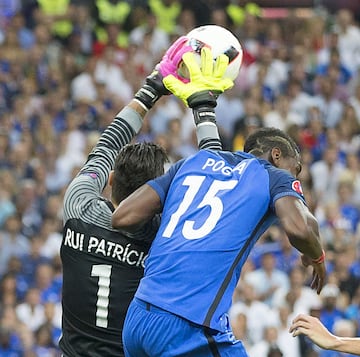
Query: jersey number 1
[[102, 304]]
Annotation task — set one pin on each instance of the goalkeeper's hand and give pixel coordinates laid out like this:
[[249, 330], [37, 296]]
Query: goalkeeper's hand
[[206, 82], [154, 87]]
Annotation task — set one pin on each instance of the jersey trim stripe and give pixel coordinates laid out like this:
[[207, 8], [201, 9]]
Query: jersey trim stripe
[[212, 344]]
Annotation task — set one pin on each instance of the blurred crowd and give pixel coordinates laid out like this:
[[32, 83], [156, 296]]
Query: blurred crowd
[[66, 70]]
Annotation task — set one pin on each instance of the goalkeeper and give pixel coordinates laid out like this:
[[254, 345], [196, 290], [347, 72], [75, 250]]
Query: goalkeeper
[[215, 205], [102, 266]]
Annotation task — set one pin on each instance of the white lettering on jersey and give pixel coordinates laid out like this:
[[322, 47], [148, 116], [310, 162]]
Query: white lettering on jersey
[[74, 240], [104, 247], [219, 165]]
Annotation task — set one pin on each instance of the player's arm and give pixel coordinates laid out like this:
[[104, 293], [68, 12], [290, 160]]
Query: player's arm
[[200, 94], [84, 191], [312, 327], [206, 83], [139, 207], [302, 230]]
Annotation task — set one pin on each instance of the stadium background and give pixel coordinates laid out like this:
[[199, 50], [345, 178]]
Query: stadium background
[[65, 71]]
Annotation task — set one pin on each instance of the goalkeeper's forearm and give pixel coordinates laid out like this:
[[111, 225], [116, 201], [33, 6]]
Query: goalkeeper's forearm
[[207, 132]]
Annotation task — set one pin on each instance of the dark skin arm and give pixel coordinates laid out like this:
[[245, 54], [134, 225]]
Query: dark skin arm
[[136, 209], [302, 230]]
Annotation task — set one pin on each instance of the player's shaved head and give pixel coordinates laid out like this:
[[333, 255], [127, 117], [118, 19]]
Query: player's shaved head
[[265, 139]]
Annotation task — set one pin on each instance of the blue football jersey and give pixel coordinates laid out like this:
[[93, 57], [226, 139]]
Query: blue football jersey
[[216, 205]]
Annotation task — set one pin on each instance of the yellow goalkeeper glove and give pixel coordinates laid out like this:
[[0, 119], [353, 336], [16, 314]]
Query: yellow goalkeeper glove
[[206, 82]]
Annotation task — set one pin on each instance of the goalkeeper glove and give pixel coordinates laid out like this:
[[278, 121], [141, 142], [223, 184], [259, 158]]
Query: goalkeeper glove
[[154, 87], [206, 84], [152, 90]]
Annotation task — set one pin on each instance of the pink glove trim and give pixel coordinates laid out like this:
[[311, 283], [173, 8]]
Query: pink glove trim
[[171, 60]]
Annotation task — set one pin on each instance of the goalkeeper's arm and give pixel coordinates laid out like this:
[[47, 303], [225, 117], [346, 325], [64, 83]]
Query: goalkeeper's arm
[[201, 93]]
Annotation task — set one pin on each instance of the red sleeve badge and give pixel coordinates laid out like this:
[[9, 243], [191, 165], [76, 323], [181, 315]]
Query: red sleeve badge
[[296, 186]]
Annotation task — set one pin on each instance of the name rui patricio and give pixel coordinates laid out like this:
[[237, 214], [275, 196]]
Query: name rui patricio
[[104, 247]]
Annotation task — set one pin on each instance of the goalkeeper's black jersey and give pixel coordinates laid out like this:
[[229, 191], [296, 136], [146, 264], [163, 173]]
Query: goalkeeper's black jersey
[[102, 270], [101, 266]]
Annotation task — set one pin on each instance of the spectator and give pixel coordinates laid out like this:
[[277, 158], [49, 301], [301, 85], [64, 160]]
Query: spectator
[[348, 130], [107, 72], [31, 311], [166, 13], [331, 108], [257, 314], [287, 345], [46, 283], [6, 348], [25, 35], [44, 345], [112, 36], [267, 345], [13, 242], [352, 312], [151, 35], [7, 207], [354, 101], [329, 312], [8, 293], [60, 17], [30, 262], [299, 297], [281, 116], [267, 279], [349, 36], [335, 61], [300, 101], [348, 207], [325, 175], [84, 28], [346, 280], [249, 121]]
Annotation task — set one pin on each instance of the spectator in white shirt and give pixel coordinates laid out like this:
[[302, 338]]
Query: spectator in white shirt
[[31, 311], [267, 279], [258, 314]]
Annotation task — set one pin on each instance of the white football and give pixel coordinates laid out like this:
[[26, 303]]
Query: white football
[[219, 40]]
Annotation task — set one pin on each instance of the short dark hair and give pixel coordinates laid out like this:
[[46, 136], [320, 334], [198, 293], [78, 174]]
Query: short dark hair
[[135, 165], [265, 139], [274, 351]]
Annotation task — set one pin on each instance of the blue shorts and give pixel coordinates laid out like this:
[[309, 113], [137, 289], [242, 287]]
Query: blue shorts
[[150, 331]]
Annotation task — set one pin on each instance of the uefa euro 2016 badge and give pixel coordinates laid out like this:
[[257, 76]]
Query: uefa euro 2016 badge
[[296, 186]]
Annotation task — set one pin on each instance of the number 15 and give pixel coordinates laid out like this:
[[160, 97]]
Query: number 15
[[210, 199]]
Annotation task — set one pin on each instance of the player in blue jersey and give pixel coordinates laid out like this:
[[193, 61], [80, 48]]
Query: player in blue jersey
[[215, 205]]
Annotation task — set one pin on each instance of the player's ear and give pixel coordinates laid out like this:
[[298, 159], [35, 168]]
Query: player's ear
[[111, 178], [275, 156]]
